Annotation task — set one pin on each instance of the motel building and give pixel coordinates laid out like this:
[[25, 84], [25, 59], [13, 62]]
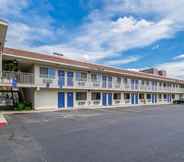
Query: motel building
[[58, 83]]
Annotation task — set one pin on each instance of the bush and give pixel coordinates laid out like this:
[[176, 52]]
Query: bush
[[20, 106]]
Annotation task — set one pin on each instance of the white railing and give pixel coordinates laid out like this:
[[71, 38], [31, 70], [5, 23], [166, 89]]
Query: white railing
[[89, 83], [20, 77]]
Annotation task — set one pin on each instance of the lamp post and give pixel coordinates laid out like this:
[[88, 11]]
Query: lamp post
[[3, 31]]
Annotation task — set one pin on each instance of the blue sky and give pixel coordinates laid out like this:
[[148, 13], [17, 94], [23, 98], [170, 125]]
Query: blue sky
[[131, 34]]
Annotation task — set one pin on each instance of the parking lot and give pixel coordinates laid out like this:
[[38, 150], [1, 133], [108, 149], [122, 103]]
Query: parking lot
[[132, 134]]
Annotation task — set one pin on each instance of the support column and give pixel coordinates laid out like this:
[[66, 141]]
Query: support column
[[89, 101], [145, 98], [122, 98]]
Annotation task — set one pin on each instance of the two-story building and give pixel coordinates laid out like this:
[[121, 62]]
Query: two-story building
[[56, 82]]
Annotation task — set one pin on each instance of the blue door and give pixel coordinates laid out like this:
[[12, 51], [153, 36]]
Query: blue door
[[136, 99], [61, 99], [110, 99], [61, 78], [104, 99], [70, 79], [69, 99], [132, 99]]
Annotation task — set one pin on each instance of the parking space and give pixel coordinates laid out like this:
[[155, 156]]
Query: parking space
[[132, 134]]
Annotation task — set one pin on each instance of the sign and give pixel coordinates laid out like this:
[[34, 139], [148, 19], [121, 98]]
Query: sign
[[14, 83]]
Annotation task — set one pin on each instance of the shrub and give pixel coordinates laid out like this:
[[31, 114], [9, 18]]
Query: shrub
[[20, 106]]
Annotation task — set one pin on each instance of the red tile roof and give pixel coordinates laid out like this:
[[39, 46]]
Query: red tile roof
[[85, 65]]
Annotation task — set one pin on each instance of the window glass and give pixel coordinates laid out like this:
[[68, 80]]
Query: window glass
[[81, 96], [81, 76], [125, 80], [141, 96], [47, 72], [51, 73], [148, 96], [95, 96], [95, 77], [127, 96], [117, 96], [118, 80], [43, 72], [160, 96]]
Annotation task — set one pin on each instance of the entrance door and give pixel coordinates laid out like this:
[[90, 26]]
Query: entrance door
[[104, 99], [70, 79], [61, 78], [61, 99], [69, 99], [110, 99]]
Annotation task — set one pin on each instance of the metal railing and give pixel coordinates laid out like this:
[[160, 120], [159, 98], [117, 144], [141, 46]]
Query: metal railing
[[20, 77], [89, 83]]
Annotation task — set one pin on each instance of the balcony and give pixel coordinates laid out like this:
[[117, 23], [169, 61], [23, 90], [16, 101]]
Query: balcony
[[19, 77]]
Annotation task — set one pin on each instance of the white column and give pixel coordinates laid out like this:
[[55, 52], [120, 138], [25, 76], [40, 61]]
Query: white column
[[122, 98], [89, 98]]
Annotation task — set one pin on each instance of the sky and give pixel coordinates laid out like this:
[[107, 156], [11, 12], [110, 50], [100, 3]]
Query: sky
[[129, 34]]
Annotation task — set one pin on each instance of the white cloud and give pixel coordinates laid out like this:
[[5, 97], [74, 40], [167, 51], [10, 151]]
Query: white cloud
[[99, 36], [179, 57], [119, 62], [174, 69]]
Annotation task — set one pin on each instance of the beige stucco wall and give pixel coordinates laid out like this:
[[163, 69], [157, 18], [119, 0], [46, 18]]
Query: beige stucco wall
[[46, 99]]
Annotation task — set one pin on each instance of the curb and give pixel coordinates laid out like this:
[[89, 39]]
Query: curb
[[3, 121]]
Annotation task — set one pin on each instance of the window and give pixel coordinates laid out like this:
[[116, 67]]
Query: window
[[127, 96], [165, 96], [160, 84], [160, 96], [81, 96], [125, 80], [148, 96], [95, 96], [142, 82], [95, 77], [147, 82], [117, 96], [141, 96], [173, 96], [47, 72], [118, 80], [81, 76]]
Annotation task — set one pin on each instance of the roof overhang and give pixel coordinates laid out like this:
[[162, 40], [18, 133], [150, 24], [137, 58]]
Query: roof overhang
[[3, 31]]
